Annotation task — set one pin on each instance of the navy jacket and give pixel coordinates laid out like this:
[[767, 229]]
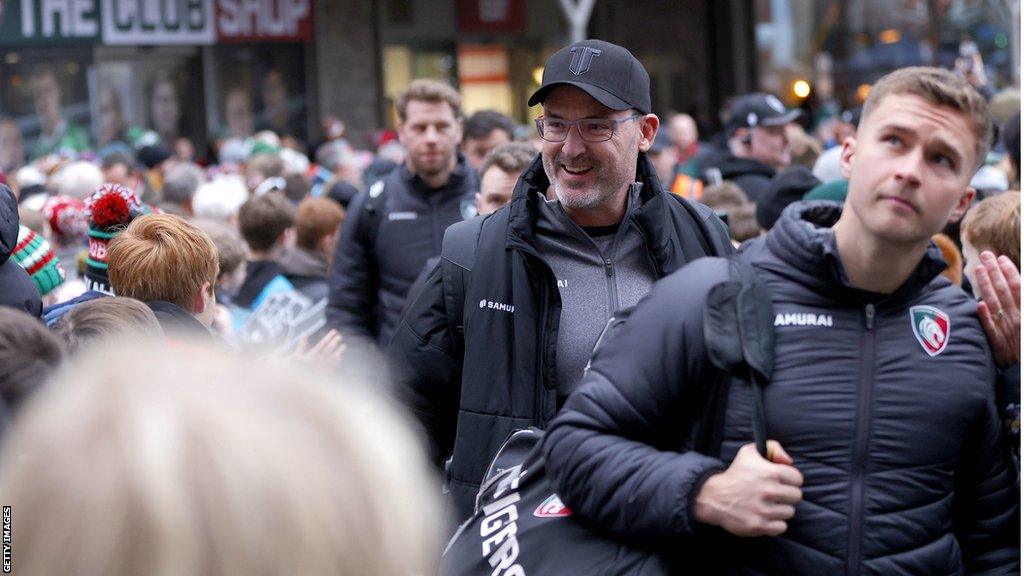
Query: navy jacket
[[905, 465], [374, 265]]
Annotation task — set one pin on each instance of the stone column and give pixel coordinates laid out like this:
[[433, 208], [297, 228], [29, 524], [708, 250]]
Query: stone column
[[348, 66]]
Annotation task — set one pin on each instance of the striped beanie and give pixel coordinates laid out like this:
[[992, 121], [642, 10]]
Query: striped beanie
[[109, 211], [36, 256]]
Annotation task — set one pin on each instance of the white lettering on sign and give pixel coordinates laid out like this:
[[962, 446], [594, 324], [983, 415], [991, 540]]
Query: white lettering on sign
[[261, 17], [158, 22], [68, 18]]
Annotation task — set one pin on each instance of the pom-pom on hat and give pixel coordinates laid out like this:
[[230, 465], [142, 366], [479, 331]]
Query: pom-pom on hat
[[66, 216], [35, 255], [109, 210]]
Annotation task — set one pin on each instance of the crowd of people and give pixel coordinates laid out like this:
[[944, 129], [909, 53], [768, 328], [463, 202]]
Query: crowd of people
[[328, 351]]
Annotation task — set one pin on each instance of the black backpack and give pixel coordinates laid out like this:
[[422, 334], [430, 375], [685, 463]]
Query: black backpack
[[520, 525]]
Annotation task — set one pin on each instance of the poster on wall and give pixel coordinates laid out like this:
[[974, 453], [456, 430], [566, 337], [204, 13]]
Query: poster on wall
[[113, 105], [262, 88], [47, 98]]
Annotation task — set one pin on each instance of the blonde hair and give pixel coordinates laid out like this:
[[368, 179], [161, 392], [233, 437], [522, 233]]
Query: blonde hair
[[940, 87], [427, 90], [185, 462], [161, 257], [994, 223]]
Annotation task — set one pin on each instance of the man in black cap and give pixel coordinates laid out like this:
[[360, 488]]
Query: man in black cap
[[588, 230], [757, 146]]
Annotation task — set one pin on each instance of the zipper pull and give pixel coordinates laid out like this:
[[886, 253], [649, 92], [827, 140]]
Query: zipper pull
[[608, 267], [869, 316]]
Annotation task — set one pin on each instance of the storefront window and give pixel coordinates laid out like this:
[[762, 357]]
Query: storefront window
[[134, 90], [484, 78], [839, 48], [403, 64], [262, 88], [44, 93], [93, 75]]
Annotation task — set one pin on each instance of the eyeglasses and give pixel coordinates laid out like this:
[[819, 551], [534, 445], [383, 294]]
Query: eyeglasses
[[590, 129]]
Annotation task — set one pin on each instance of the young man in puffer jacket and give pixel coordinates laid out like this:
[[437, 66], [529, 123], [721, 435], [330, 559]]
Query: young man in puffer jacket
[[887, 454]]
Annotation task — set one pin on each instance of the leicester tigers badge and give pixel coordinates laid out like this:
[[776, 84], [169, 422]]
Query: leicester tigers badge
[[931, 327], [552, 507]]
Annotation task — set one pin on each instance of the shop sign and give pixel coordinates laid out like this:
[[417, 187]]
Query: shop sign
[[133, 22], [258, 20], [50, 22], [153, 22]]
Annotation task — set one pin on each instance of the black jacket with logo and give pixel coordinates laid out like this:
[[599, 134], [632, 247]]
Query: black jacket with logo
[[885, 403], [381, 251], [505, 379]]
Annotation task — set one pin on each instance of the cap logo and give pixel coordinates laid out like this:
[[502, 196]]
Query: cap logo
[[582, 56], [931, 328], [775, 104], [752, 119]]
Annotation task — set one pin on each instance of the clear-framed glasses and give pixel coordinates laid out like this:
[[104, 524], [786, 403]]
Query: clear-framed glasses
[[590, 129]]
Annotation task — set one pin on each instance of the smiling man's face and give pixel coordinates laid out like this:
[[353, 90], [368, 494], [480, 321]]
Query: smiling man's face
[[586, 175]]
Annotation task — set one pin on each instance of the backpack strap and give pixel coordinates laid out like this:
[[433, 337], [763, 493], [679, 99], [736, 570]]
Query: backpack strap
[[458, 254], [739, 335], [373, 211]]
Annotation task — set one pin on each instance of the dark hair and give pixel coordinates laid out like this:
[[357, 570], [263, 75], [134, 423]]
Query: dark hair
[[296, 187], [263, 219], [104, 319], [117, 159], [482, 123], [29, 353]]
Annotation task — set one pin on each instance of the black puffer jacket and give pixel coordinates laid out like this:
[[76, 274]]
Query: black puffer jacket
[[505, 380], [750, 175], [376, 263], [16, 287], [905, 467]]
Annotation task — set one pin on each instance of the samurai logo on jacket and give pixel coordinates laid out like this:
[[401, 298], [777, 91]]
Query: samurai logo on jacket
[[931, 327]]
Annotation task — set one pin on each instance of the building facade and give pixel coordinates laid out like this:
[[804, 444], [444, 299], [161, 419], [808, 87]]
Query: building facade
[[207, 70]]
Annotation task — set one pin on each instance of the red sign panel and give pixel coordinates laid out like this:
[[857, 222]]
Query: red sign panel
[[492, 15], [264, 20]]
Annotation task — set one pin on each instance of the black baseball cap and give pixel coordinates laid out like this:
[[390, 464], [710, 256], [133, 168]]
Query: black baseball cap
[[607, 72], [759, 109]]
